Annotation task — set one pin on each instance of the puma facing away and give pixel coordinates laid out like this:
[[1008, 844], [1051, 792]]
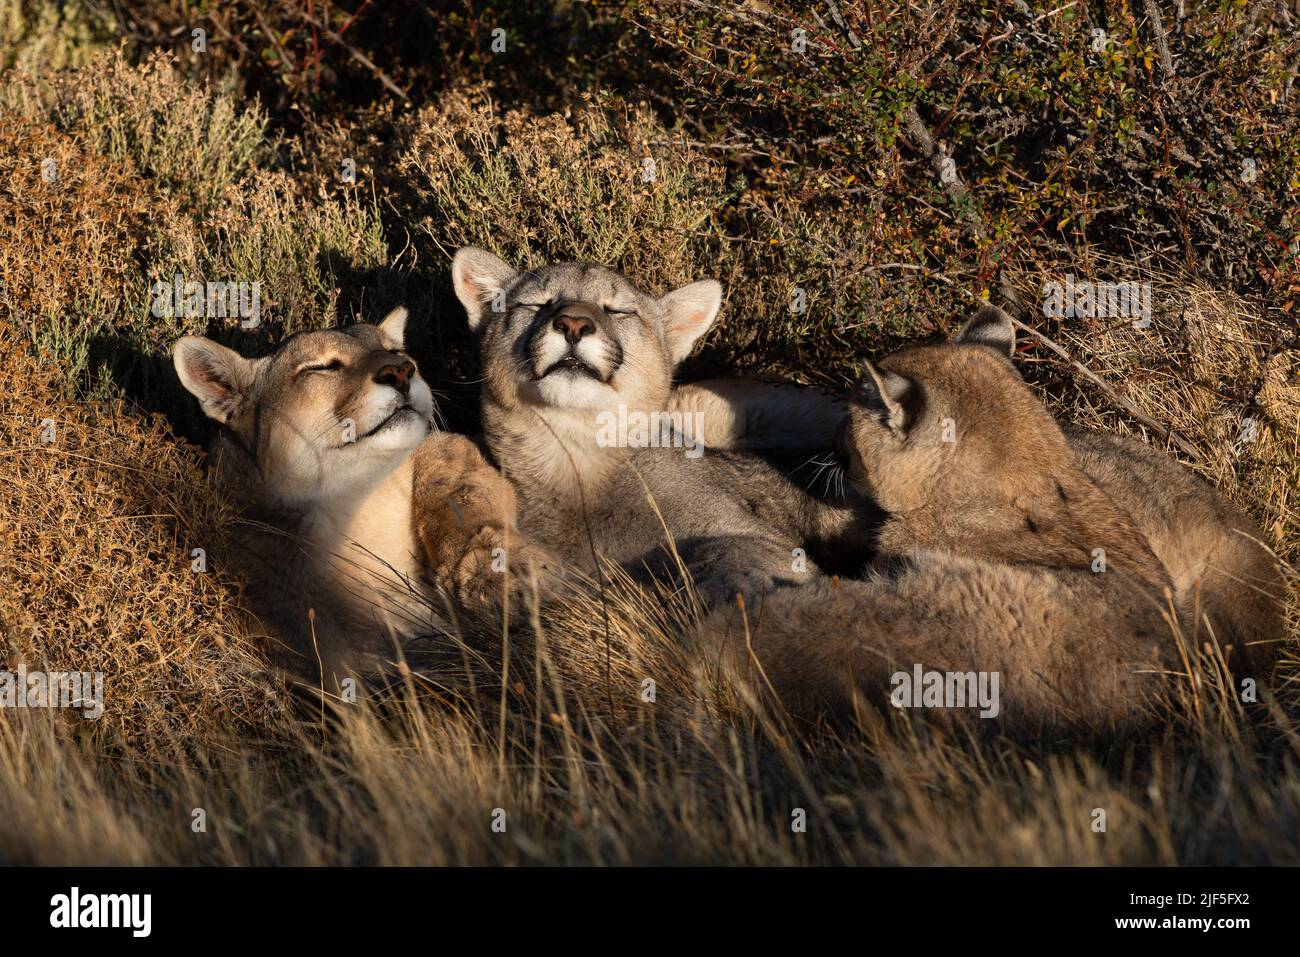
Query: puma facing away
[[1008, 547]]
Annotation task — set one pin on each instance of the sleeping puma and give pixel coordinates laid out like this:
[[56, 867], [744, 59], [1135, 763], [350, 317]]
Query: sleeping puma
[[349, 494], [1005, 549], [572, 349]]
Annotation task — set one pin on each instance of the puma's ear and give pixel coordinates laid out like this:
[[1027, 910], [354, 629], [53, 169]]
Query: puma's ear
[[478, 277], [218, 377], [894, 399], [989, 327], [392, 330], [688, 312]]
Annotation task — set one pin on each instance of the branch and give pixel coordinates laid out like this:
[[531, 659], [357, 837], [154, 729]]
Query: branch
[[1162, 40], [356, 55], [1183, 445], [935, 155]]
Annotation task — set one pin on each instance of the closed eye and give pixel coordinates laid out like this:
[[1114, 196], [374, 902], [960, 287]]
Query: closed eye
[[332, 365]]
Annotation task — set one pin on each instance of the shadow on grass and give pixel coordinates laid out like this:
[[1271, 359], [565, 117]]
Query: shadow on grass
[[438, 338]]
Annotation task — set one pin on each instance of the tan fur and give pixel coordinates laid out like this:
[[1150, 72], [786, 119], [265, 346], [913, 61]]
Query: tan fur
[[754, 415], [991, 541], [464, 516], [1226, 578], [1006, 486], [349, 532], [571, 344]]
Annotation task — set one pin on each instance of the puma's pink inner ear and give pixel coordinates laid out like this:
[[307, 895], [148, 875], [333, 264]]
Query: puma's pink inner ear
[[213, 374], [203, 372], [206, 375], [686, 326], [477, 276], [688, 313]]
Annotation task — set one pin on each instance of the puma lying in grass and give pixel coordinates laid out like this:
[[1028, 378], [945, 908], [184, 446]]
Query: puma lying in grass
[[356, 507], [1059, 562]]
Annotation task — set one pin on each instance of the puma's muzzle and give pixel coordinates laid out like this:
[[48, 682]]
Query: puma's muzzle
[[574, 337]]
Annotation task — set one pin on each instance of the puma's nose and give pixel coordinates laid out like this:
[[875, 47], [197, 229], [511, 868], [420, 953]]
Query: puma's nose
[[396, 374], [573, 326]]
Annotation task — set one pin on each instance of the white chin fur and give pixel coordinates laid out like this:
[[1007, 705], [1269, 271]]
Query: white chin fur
[[573, 390], [405, 433], [315, 473], [401, 436]]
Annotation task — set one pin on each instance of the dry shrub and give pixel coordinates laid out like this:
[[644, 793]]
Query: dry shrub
[[542, 189], [74, 233], [36, 36], [195, 141], [156, 176], [302, 250], [98, 528]]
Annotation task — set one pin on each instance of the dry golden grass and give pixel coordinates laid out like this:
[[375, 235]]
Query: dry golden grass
[[97, 528]]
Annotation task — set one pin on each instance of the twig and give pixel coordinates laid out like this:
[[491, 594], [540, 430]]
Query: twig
[[1183, 445], [1291, 73], [357, 55], [1177, 152], [939, 162], [844, 27], [285, 56], [1162, 40]]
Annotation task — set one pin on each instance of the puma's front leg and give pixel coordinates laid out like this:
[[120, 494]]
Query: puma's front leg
[[464, 515], [755, 415]]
